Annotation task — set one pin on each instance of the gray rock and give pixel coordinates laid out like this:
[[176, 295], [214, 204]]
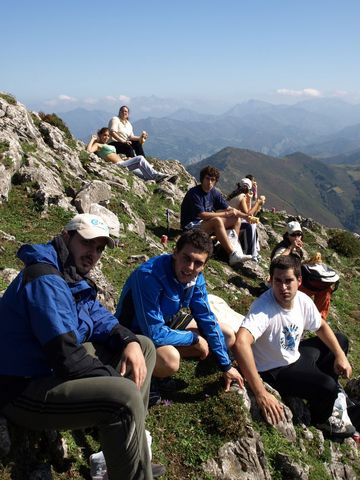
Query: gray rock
[[290, 469], [285, 427], [109, 218], [8, 274], [337, 468], [240, 460], [92, 193]]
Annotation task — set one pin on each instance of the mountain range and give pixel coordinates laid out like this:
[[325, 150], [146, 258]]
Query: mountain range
[[326, 128]]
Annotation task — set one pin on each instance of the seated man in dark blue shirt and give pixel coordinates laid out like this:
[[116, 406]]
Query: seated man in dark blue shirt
[[204, 207]]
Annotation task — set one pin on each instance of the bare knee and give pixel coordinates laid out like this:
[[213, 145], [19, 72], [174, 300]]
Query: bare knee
[[167, 361], [228, 333]]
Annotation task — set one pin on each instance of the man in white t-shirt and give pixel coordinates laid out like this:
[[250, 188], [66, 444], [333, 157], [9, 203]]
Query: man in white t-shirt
[[269, 348]]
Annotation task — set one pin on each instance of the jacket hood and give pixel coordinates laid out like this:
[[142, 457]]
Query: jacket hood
[[39, 253]]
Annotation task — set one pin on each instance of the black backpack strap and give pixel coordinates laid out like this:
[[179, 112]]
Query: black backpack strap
[[36, 270]]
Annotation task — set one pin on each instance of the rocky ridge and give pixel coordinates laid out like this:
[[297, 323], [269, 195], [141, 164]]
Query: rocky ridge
[[39, 167]]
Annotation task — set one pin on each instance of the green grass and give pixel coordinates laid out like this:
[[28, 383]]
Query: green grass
[[190, 428]]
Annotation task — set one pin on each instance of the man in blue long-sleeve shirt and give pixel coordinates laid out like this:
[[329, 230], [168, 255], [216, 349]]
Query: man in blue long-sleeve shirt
[[65, 362], [155, 293]]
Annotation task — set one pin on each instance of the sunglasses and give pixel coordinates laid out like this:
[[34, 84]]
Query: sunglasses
[[295, 234]]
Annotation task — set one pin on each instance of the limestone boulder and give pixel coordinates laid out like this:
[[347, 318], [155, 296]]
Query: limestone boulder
[[108, 216], [94, 192], [240, 460]]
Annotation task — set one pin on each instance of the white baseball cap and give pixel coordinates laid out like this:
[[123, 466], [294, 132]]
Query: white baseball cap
[[293, 227], [90, 226], [246, 182]]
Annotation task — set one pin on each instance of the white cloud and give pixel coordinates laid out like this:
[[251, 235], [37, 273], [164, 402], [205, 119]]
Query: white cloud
[[59, 100], [67, 98], [340, 93], [90, 101], [124, 98], [305, 92]]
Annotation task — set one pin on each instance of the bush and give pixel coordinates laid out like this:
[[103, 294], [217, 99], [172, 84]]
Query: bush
[[56, 121], [9, 98], [345, 243], [4, 146]]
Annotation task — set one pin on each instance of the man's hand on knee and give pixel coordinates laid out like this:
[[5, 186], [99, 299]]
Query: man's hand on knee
[[133, 360], [342, 366]]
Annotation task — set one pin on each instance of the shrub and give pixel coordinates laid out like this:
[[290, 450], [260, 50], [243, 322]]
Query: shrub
[[4, 146], [9, 98], [56, 121], [84, 158], [345, 243], [6, 161]]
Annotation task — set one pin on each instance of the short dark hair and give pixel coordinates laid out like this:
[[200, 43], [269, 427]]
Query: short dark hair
[[199, 239], [286, 262], [211, 171]]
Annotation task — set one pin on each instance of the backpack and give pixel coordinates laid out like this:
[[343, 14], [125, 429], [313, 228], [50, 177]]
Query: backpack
[[319, 276]]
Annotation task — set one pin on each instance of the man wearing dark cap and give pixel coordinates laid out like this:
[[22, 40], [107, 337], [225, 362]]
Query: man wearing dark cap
[[65, 362]]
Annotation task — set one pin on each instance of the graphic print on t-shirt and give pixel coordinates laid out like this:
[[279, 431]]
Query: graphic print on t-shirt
[[289, 337]]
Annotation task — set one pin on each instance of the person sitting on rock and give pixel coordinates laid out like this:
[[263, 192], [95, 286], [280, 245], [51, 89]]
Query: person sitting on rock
[[153, 300], [292, 244], [205, 208], [65, 361], [241, 199], [269, 348], [122, 135], [138, 165]]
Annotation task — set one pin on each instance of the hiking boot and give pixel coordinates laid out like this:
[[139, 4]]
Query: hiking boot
[[336, 427], [235, 258], [161, 177], [168, 384]]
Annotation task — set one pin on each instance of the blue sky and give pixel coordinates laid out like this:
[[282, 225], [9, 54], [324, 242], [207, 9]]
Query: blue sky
[[74, 52]]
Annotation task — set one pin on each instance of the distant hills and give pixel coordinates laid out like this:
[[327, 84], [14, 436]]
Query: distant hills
[[322, 128], [296, 183]]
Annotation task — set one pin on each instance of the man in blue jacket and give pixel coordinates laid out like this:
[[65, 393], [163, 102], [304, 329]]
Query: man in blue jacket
[[65, 361], [158, 289]]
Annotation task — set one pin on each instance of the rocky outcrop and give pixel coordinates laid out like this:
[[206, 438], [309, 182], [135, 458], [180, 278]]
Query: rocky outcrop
[[55, 172], [241, 460]]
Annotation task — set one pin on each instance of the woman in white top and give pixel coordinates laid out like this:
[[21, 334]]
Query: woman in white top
[[122, 135], [138, 165], [241, 199]]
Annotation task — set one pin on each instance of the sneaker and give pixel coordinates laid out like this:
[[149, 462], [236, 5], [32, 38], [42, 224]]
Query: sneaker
[[170, 384], [172, 179], [158, 470], [154, 397], [163, 177], [235, 258], [336, 427], [160, 177], [98, 469]]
